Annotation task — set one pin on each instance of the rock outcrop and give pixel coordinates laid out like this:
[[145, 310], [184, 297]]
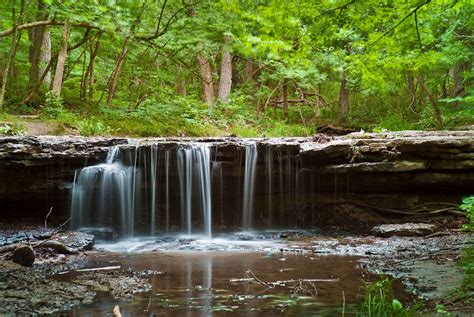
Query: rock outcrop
[[391, 170]]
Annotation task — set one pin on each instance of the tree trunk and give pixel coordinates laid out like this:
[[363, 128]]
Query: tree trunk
[[89, 74], [206, 76], [343, 99], [434, 104], [62, 55], [411, 87], [458, 76], [116, 71], [248, 70], [421, 98], [285, 98], [4, 77], [11, 55], [225, 82], [36, 36], [181, 87], [45, 57]]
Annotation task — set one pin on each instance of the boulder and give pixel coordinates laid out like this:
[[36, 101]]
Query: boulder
[[404, 229]]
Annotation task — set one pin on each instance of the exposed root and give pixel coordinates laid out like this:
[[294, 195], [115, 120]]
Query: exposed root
[[419, 210]]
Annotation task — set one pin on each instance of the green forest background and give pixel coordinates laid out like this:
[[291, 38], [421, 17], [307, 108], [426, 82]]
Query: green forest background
[[235, 67]]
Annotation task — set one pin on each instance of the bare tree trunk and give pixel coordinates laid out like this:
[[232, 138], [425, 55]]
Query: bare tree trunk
[[116, 71], [11, 55], [225, 81], [36, 35], [411, 86], [285, 98], [45, 57], [89, 74], [421, 98], [58, 74], [207, 84], [343, 98], [458, 76]]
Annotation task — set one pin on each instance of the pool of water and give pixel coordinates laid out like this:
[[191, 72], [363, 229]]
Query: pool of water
[[219, 283]]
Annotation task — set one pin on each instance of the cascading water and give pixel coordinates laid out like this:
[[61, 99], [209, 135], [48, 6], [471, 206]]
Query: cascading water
[[195, 178], [151, 189], [106, 188], [269, 170], [125, 190], [249, 184]]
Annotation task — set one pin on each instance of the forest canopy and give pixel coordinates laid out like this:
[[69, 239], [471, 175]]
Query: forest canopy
[[237, 67]]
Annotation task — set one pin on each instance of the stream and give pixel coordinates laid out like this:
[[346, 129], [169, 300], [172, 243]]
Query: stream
[[216, 283]]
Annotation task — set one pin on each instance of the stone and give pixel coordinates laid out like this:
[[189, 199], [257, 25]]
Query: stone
[[404, 229], [24, 255], [79, 241], [101, 233]]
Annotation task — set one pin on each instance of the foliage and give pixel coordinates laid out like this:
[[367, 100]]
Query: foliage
[[52, 107], [379, 301], [93, 126], [468, 206], [12, 129], [404, 62]]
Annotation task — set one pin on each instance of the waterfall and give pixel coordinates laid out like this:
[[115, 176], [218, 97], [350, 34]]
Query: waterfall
[[249, 184], [194, 169], [132, 189], [167, 190], [269, 168], [107, 188]]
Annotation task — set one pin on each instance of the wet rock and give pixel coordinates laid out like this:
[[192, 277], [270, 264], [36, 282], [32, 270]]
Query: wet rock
[[405, 229], [24, 255], [100, 233], [79, 241], [29, 292], [121, 284]]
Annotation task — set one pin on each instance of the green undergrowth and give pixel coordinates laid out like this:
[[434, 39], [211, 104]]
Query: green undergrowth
[[380, 301], [465, 292], [172, 115]]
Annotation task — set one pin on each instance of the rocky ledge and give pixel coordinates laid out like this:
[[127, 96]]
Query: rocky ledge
[[395, 169]]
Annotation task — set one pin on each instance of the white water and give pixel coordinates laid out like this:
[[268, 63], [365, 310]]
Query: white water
[[164, 188], [112, 192], [195, 178], [249, 184], [105, 187]]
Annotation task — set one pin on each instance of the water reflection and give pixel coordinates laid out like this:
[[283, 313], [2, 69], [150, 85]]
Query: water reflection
[[199, 284]]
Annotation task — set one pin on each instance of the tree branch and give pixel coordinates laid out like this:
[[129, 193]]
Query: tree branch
[[46, 22]]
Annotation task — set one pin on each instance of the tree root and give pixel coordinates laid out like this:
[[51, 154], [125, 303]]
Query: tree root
[[419, 210]]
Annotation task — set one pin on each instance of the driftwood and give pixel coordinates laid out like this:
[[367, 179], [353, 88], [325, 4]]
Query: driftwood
[[47, 243], [331, 129], [295, 286], [94, 269]]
